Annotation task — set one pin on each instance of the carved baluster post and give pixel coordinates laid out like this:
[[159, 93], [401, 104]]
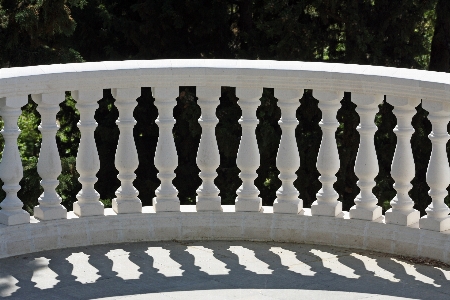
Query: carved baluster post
[[88, 163], [248, 153], [403, 169], [126, 159], [288, 159], [327, 203], [438, 173], [166, 158], [366, 167], [11, 170], [208, 158], [49, 164]]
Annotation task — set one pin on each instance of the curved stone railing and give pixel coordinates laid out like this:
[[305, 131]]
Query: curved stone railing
[[400, 231]]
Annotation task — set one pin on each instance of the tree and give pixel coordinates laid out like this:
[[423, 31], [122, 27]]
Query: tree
[[440, 46]]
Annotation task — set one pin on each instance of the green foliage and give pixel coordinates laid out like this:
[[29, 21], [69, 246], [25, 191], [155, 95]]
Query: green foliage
[[386, 33], [34, 31]]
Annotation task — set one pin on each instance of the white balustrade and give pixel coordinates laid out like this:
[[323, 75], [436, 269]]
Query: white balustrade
[[288, 159], [366, 166], [402, 170], [49, 163], [327, 203], [88, 162], [11, 170], [248, 153], [166, 158], [438, 173], [126, 159], [208, 158]]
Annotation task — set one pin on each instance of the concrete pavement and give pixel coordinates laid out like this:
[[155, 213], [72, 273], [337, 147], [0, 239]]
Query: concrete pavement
[[218, 270]]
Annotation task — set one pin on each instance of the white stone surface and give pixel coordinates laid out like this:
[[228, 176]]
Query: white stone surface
[[126, 160], [49, 163], [403, 169], [11, 170], [288, 161], [366, 166], [166, 158], [208, 158], [438, 173], [327, 203], [362, 228], [88, 162], [227, 225], [248, 153]]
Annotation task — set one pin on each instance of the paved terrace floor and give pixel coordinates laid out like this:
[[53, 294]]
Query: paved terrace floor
[[218, 270]]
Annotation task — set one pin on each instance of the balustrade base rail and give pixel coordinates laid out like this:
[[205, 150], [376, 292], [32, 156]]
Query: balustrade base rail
[[227, 225]]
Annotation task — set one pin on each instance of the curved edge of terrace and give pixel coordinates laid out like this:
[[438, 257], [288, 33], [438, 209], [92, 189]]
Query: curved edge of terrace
[[227, 225], [239, 73]]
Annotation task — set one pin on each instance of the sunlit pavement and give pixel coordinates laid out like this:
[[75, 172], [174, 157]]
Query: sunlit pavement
[[218, 270]]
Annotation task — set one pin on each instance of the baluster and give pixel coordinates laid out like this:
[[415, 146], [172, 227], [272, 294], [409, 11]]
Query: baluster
[[208, 158], [327, 203], [166, 158], [11, 170], [126, 159], [49, 163], [248, 153], [366, 167], [288, 159], [403, 169], [88, 163], [438, 173]]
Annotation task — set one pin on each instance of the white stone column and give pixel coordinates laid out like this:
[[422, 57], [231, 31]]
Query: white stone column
[[208, 158], [248, 153], [166, 158], [327, 203], [402, 170], [49, 163], [438, 173], [288, 158], [88, 163], [11, 170], [126, 159], [366, 167]]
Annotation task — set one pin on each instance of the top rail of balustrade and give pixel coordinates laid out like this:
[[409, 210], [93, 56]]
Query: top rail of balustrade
[[218, 72]]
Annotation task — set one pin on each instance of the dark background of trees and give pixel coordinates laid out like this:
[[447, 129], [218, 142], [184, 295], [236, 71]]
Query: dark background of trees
[[403, 33]]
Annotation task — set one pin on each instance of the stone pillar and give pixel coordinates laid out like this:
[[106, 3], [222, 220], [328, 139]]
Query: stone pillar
[[327, 203], [288, 159], [402, 170], [11, 170], [166, 158], [366, 167], [88, 163], [49, 163], [208, 158], [126, 159], [248, 153], [438, 173]]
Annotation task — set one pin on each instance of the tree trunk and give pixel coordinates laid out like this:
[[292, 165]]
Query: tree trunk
[[440, 45]]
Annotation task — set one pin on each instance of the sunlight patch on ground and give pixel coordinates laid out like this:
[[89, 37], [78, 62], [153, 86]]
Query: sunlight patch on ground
[[163, 262], [205, 260], [289, 259], [82, 269], [411, 270], [330, 261], [372, 266], [122, 265], [248, 259], [8, 285], [43, 276]]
